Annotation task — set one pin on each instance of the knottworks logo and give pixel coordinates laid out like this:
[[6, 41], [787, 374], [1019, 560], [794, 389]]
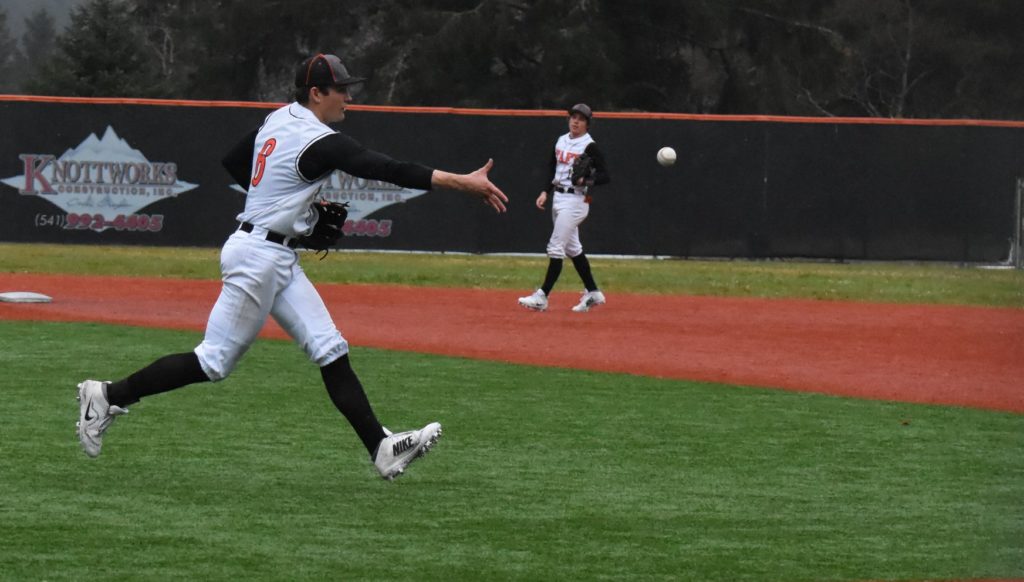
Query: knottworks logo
[[102, 183]]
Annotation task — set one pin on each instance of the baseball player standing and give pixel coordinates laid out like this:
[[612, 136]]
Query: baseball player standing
[[569, 208], [284, 164]]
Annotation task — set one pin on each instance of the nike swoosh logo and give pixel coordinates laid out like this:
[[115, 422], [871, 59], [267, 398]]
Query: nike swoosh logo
[[88, 410]]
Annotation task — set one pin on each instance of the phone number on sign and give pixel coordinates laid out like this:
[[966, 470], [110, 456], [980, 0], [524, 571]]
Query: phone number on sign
[[367, 228], [130, 222]]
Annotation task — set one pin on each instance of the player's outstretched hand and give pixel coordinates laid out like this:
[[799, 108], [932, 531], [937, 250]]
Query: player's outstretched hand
[[485, 189], [476, 183]]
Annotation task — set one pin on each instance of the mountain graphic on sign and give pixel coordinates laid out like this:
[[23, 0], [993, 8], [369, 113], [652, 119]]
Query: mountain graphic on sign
[[110, 147]]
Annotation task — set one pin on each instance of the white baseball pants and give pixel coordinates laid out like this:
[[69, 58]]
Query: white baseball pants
[[568, 211], [264, 278]]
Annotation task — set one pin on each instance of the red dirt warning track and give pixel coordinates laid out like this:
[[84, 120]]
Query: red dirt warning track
[[965, 356]]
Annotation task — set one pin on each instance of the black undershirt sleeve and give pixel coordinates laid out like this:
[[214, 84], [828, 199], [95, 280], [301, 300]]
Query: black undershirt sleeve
[[551, 169], [338, 151], [601, 175], [238, 161]]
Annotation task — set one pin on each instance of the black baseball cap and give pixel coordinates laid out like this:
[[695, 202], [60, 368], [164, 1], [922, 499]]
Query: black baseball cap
[[321, 70], [583, 109]]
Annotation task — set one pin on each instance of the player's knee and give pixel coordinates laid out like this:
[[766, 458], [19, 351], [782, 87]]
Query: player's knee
[[329, 352], [215, 371], [215, 367], [556, 252]]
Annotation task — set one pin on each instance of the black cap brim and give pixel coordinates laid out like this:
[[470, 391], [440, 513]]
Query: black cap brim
[[350, 81]]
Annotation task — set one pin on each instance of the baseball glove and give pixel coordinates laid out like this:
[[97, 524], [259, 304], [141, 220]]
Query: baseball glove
[[328, 228], [582, 170]]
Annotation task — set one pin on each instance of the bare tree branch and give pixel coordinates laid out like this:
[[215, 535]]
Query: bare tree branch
[[837, 40]]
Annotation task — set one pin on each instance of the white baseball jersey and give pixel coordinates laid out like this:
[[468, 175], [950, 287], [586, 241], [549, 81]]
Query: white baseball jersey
[[279, 196], [261, 277], [567, 149]]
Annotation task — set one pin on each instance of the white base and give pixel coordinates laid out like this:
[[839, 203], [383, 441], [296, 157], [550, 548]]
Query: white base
[[24, 297]]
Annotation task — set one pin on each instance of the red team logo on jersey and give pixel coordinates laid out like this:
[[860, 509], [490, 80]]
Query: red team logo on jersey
[[565, 157]]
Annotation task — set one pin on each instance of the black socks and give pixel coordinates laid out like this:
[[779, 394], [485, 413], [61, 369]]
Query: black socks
[[583, 268], [554, 270], [582, 265], [163, 375], [177, 370], [349, 398]]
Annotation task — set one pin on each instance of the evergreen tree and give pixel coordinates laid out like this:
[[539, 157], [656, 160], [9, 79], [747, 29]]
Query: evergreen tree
[[242, 49], [9, 57], [99, 55], [38, 43], [39, 40]]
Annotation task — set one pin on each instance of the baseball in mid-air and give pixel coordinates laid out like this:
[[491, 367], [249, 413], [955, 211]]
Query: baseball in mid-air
[[666, 156]]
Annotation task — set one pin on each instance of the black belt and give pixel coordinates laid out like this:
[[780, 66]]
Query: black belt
[[274, 237], [566, 190]]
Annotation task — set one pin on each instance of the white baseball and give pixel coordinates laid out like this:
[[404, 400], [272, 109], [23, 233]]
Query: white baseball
[[666, 156]]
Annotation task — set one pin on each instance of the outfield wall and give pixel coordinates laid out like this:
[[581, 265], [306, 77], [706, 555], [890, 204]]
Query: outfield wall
[[110, 171]]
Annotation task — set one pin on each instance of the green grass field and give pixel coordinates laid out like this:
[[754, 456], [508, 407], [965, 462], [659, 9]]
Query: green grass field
[[542, 474]]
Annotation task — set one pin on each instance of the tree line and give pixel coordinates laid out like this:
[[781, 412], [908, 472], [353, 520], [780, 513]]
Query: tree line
[[877, 58]]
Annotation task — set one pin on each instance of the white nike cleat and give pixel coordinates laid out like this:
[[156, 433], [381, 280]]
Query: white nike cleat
[[95, 415], [589, 299], [537, 302], [398, 450]]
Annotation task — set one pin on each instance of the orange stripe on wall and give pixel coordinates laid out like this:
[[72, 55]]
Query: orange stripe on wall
[[526, 112], [131, 101]]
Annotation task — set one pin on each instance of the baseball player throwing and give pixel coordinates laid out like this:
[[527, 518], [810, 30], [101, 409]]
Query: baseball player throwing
[[284, 164], [577, 165]]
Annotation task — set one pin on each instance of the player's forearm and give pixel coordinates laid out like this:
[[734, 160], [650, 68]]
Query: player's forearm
[[475, 183], [338, 151], [442, 179], [378, 166]]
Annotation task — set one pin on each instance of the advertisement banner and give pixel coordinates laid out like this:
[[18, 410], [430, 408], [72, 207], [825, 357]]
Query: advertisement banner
[[149, 173]]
